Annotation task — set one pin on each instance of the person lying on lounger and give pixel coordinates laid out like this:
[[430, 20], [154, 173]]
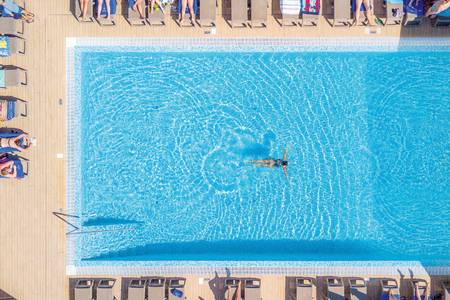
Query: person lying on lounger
[[417, 295], [190, 4], [20, 143], [84, 7], [8, 169], [369, 12], [437, 7], [272, 163], [108, 8], [10, 8]]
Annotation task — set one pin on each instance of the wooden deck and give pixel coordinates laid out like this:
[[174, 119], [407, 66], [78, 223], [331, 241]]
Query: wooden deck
[[32, 248]]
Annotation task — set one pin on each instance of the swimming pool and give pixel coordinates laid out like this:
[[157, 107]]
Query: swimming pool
[[159, 139]]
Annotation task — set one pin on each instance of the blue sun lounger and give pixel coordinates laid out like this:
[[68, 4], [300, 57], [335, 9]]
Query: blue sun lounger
[[389, 285], [101, 19], [192, 15], [13, 107], [442, 18], [17, 162], [414, 11]]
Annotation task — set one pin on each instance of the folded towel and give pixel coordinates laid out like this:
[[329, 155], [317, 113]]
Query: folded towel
[[290, 7], [311, 7]]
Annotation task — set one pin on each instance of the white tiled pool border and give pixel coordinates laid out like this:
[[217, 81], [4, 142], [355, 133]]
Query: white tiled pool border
[[123, 268]]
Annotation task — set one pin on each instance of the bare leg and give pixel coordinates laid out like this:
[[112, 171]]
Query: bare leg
[[83, 8], [152, 5], [140, 9], [191, 11], [108, 8], [357, 11], [183, 9], [369, 13], [99, 7]]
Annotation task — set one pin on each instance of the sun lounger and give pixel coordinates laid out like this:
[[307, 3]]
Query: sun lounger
[[389, 289], [362, 9], [394, 12], [84, 289], [335, 288], [20, 169], [105, 289], [12, 76], [89, 11], [342, 12], [446, 288], [133, 17], [310, 12], [252, 289], [10, 26], [156, 288], [5, 296], [414, 11], [136, 289], [304, 287], [157, 17], [442, 18], [101, 19], [422, 284], [192, 15], [13, 108], [176, 288], [258, 13], [208, 13], [7, 135], [290, 12], [10, 45], [358, 288], [231, 287], [239, 13]]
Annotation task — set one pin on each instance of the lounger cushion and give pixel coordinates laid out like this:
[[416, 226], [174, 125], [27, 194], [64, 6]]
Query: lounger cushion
[[445, 13], [290, 7], [10, 109], [416, 8]]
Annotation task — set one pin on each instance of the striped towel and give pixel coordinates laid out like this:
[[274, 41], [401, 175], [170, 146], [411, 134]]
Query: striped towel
[[290, 7], [311, 7]]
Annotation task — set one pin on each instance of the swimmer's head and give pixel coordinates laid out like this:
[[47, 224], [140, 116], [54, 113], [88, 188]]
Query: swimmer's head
[[284, 163]]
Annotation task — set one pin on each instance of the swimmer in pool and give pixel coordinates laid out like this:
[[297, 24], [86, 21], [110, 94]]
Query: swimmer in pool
[[272, 163]]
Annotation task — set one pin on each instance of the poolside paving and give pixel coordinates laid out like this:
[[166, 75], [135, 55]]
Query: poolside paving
[[32, 248]]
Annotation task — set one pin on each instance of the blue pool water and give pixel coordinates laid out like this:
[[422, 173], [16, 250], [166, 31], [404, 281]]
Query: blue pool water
[[165, 138]]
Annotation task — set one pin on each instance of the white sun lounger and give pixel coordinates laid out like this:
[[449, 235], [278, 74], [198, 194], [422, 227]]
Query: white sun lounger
[[84, 289], [303, 288], [136, 289], [105, 289], [335, 288], [252, 289], [156, 288], [290, 12], [358, 288], [177, 284]]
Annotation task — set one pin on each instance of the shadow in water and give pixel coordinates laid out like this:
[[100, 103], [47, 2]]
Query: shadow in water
[[277, 250], [102, 221]]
